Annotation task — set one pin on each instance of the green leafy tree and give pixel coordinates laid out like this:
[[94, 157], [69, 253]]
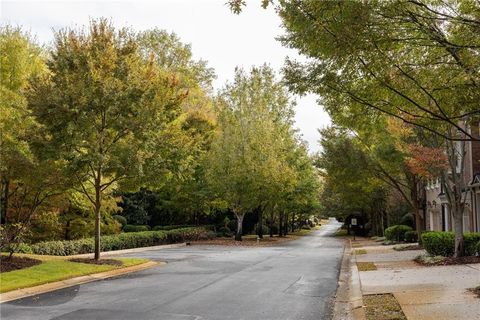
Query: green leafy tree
[[246, 155], [106, 109], [20, 60]]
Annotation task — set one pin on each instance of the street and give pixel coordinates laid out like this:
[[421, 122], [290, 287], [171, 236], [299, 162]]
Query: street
[[295, 280]]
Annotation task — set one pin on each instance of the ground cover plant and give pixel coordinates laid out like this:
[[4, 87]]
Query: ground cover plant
[[382, 307], [366, 266]]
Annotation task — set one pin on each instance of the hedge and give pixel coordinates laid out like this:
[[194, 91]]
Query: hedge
[[397, 232], [118, 241], [166, 228], [441, 243], [411, 236], [134, 228], [210, 227]]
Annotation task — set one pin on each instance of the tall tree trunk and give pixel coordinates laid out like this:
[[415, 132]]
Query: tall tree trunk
[[458, 227], [67, 230], [280, 224], [238, 235], [98, 204], [292, 223], [260, 223], [4, 206], [272, 223], [285, 224], [416, 206]]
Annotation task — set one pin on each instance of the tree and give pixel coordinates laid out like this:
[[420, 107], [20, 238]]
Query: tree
[[410, 60], [246, 155], [106, 108], [407, 59], [27, 180], [20, 60]]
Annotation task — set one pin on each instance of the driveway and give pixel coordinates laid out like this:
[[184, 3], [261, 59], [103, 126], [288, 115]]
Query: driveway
[[296, 280]]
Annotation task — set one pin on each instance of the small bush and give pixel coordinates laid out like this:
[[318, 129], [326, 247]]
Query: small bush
[[273, 229], [397, 232], [224, 232], [133, 228], [265, 229], [420, 240], [24, 248], [472, 240], [120, 219], [408, 220], [411, 236], [438, 243]]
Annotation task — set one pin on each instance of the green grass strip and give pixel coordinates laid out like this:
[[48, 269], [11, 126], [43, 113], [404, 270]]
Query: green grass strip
[[55, 270]]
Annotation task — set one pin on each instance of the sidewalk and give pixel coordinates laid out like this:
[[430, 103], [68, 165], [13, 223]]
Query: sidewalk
[[424, 293]]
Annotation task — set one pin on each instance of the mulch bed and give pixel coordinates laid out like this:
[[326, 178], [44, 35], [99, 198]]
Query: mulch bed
[[410, 247], [17, 263], [246, 242], [111, 262], [448, 261]]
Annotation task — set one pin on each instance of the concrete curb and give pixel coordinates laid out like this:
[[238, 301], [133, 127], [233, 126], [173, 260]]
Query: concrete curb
[[52, 286], [349, 301], [125, 251]]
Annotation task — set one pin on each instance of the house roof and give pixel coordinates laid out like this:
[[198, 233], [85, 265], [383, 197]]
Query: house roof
[[475, 179]]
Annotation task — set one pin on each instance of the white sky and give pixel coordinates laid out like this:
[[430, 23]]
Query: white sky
[[223, 39]]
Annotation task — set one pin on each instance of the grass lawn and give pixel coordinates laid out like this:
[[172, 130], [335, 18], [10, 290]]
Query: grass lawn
[[360, 251], [51, 270]]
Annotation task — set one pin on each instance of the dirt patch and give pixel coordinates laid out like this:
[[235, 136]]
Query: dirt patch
[[360, 251], [366, 266], [445, 261], [409, 247], [475, 291], [111, 262], [17, 263], [246, 242], [382, 307]]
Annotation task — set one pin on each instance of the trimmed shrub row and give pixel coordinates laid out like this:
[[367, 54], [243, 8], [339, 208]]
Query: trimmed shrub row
[[164, 228], [134, 228], [117, 242], [441, 243], [397, 232]]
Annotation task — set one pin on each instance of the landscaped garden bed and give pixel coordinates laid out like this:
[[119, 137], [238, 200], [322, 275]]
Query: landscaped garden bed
[[427, 260], [15, 263]]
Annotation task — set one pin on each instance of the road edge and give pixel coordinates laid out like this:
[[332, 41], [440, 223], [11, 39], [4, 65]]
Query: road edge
[[52, 286], [348, 298]]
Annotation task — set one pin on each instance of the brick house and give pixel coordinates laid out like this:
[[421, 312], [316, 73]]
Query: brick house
[[438, 216]]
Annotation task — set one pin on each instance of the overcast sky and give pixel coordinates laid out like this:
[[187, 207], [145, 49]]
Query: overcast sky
[[223, 39]]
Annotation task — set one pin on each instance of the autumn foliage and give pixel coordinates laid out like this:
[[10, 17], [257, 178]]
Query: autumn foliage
[[426, 162]]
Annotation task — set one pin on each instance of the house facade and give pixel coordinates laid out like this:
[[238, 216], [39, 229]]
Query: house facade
[[438, 216]]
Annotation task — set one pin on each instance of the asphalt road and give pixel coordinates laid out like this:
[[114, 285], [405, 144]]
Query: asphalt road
[[296, 280]]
